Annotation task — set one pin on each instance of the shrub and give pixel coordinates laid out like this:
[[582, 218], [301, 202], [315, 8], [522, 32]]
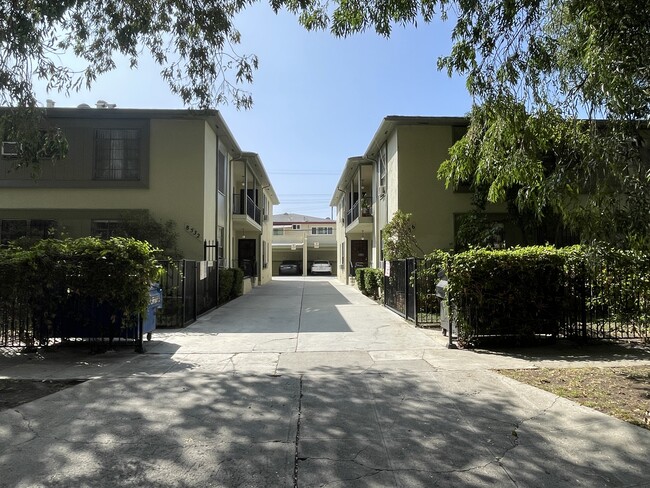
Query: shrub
[[373, 282], [238, 283], [226, 280], [515, 293], [55, 277], [360, 280]]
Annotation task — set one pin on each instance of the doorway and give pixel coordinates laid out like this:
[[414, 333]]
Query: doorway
[[247, 255], [358, 255]]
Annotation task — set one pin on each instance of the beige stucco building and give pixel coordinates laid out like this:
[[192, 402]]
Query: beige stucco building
[[398, 171], [177, 165]]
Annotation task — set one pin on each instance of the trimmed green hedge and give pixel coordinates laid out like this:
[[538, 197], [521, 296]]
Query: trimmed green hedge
[[238, 283], [231, 284], [226, 280], [370, 281], [42, 280], [514, 293]]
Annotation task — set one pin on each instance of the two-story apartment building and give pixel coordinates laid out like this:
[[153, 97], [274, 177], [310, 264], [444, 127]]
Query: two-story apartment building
[[398, 171], [303, 239], [178, 165]]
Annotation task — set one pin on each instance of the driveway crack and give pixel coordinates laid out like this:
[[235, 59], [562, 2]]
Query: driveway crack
[[296, 454]]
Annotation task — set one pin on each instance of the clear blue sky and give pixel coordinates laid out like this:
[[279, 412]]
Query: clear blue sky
[[317, 99]]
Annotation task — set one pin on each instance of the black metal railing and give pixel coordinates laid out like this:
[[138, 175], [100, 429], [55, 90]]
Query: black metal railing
[[245, 205], [360, 208]]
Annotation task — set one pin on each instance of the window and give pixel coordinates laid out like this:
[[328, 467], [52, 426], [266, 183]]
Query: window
[[295, 226], [12, 229], [104, 229], [342, 260], [117, 154], [221, 172], [322, 231], [381, 163], [221, 237], [265, 253], [278, 232]]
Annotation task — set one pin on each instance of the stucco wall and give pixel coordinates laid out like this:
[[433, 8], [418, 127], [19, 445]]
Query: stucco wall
[[421, 151], [176, 189]]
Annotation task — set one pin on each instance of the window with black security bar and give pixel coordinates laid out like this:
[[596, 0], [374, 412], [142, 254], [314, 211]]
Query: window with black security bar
[[117, 154]]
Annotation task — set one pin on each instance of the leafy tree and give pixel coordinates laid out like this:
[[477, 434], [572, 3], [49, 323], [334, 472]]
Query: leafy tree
[[399, 238], [193, 42], [562, 101]]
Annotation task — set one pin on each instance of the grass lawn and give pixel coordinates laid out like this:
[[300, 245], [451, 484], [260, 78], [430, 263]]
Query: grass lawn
[[623, 392]]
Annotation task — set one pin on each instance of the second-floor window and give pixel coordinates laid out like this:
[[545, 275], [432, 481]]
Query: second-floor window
[[295, 226], [117, 154], [322, 231], [221, 172], [382, 158], [278, 232]]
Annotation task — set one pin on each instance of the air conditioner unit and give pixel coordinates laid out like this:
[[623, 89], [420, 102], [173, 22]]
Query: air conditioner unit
[[381, 190], [10, 148]]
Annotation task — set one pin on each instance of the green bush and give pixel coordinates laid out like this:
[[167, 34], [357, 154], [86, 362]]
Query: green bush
[[373, 282], [226, 280], [515, 293], [42, 280], [238, 283], [359, 278]]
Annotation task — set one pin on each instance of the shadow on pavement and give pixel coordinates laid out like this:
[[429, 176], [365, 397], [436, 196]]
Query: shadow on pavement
[[402, 429], [576, 352]]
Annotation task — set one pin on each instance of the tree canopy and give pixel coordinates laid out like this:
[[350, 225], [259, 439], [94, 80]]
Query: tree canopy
[[193, 42], [561, 92], [561, 88]]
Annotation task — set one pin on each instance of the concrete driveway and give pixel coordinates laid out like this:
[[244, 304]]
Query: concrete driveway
[[307, 383]]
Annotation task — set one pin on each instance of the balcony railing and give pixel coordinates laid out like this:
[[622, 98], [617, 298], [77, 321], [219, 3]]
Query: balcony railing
[[246, 206], [361, 207]]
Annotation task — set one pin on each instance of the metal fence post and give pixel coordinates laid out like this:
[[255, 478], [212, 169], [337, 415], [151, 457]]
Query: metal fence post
[[415, 290]]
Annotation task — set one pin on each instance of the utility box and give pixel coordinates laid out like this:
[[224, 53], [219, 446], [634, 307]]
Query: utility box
[[155, 304], [447, 323]]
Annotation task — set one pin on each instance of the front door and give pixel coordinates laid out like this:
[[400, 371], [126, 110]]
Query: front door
[[358, 255], [247, 256]]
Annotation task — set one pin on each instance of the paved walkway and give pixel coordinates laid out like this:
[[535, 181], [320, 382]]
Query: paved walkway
[[306, 382]]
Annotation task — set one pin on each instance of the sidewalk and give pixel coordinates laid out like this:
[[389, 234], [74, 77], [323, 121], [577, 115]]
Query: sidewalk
[[306, 382]]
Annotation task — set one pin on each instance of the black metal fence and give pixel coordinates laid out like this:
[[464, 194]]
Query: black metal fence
[[190, 289], [410, 290], [76, 320], [611, 302]]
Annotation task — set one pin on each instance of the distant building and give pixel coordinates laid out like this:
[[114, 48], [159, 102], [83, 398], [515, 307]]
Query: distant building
[[303, 239]]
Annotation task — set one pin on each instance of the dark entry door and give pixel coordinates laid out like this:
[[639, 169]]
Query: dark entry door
[[246, 253], [358, 254]]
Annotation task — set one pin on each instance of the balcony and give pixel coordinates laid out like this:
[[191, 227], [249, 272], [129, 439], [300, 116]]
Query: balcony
[[246, 214], [359, 217]]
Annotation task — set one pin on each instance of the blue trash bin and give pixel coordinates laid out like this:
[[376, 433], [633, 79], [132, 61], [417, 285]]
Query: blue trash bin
[[155, 303]]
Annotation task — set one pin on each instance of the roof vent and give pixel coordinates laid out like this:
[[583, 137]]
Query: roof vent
[[49, 103], [104, 104], [83, 105]]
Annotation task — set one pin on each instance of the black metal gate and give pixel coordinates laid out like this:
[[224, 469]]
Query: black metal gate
[[409, 290], [189, 290]]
